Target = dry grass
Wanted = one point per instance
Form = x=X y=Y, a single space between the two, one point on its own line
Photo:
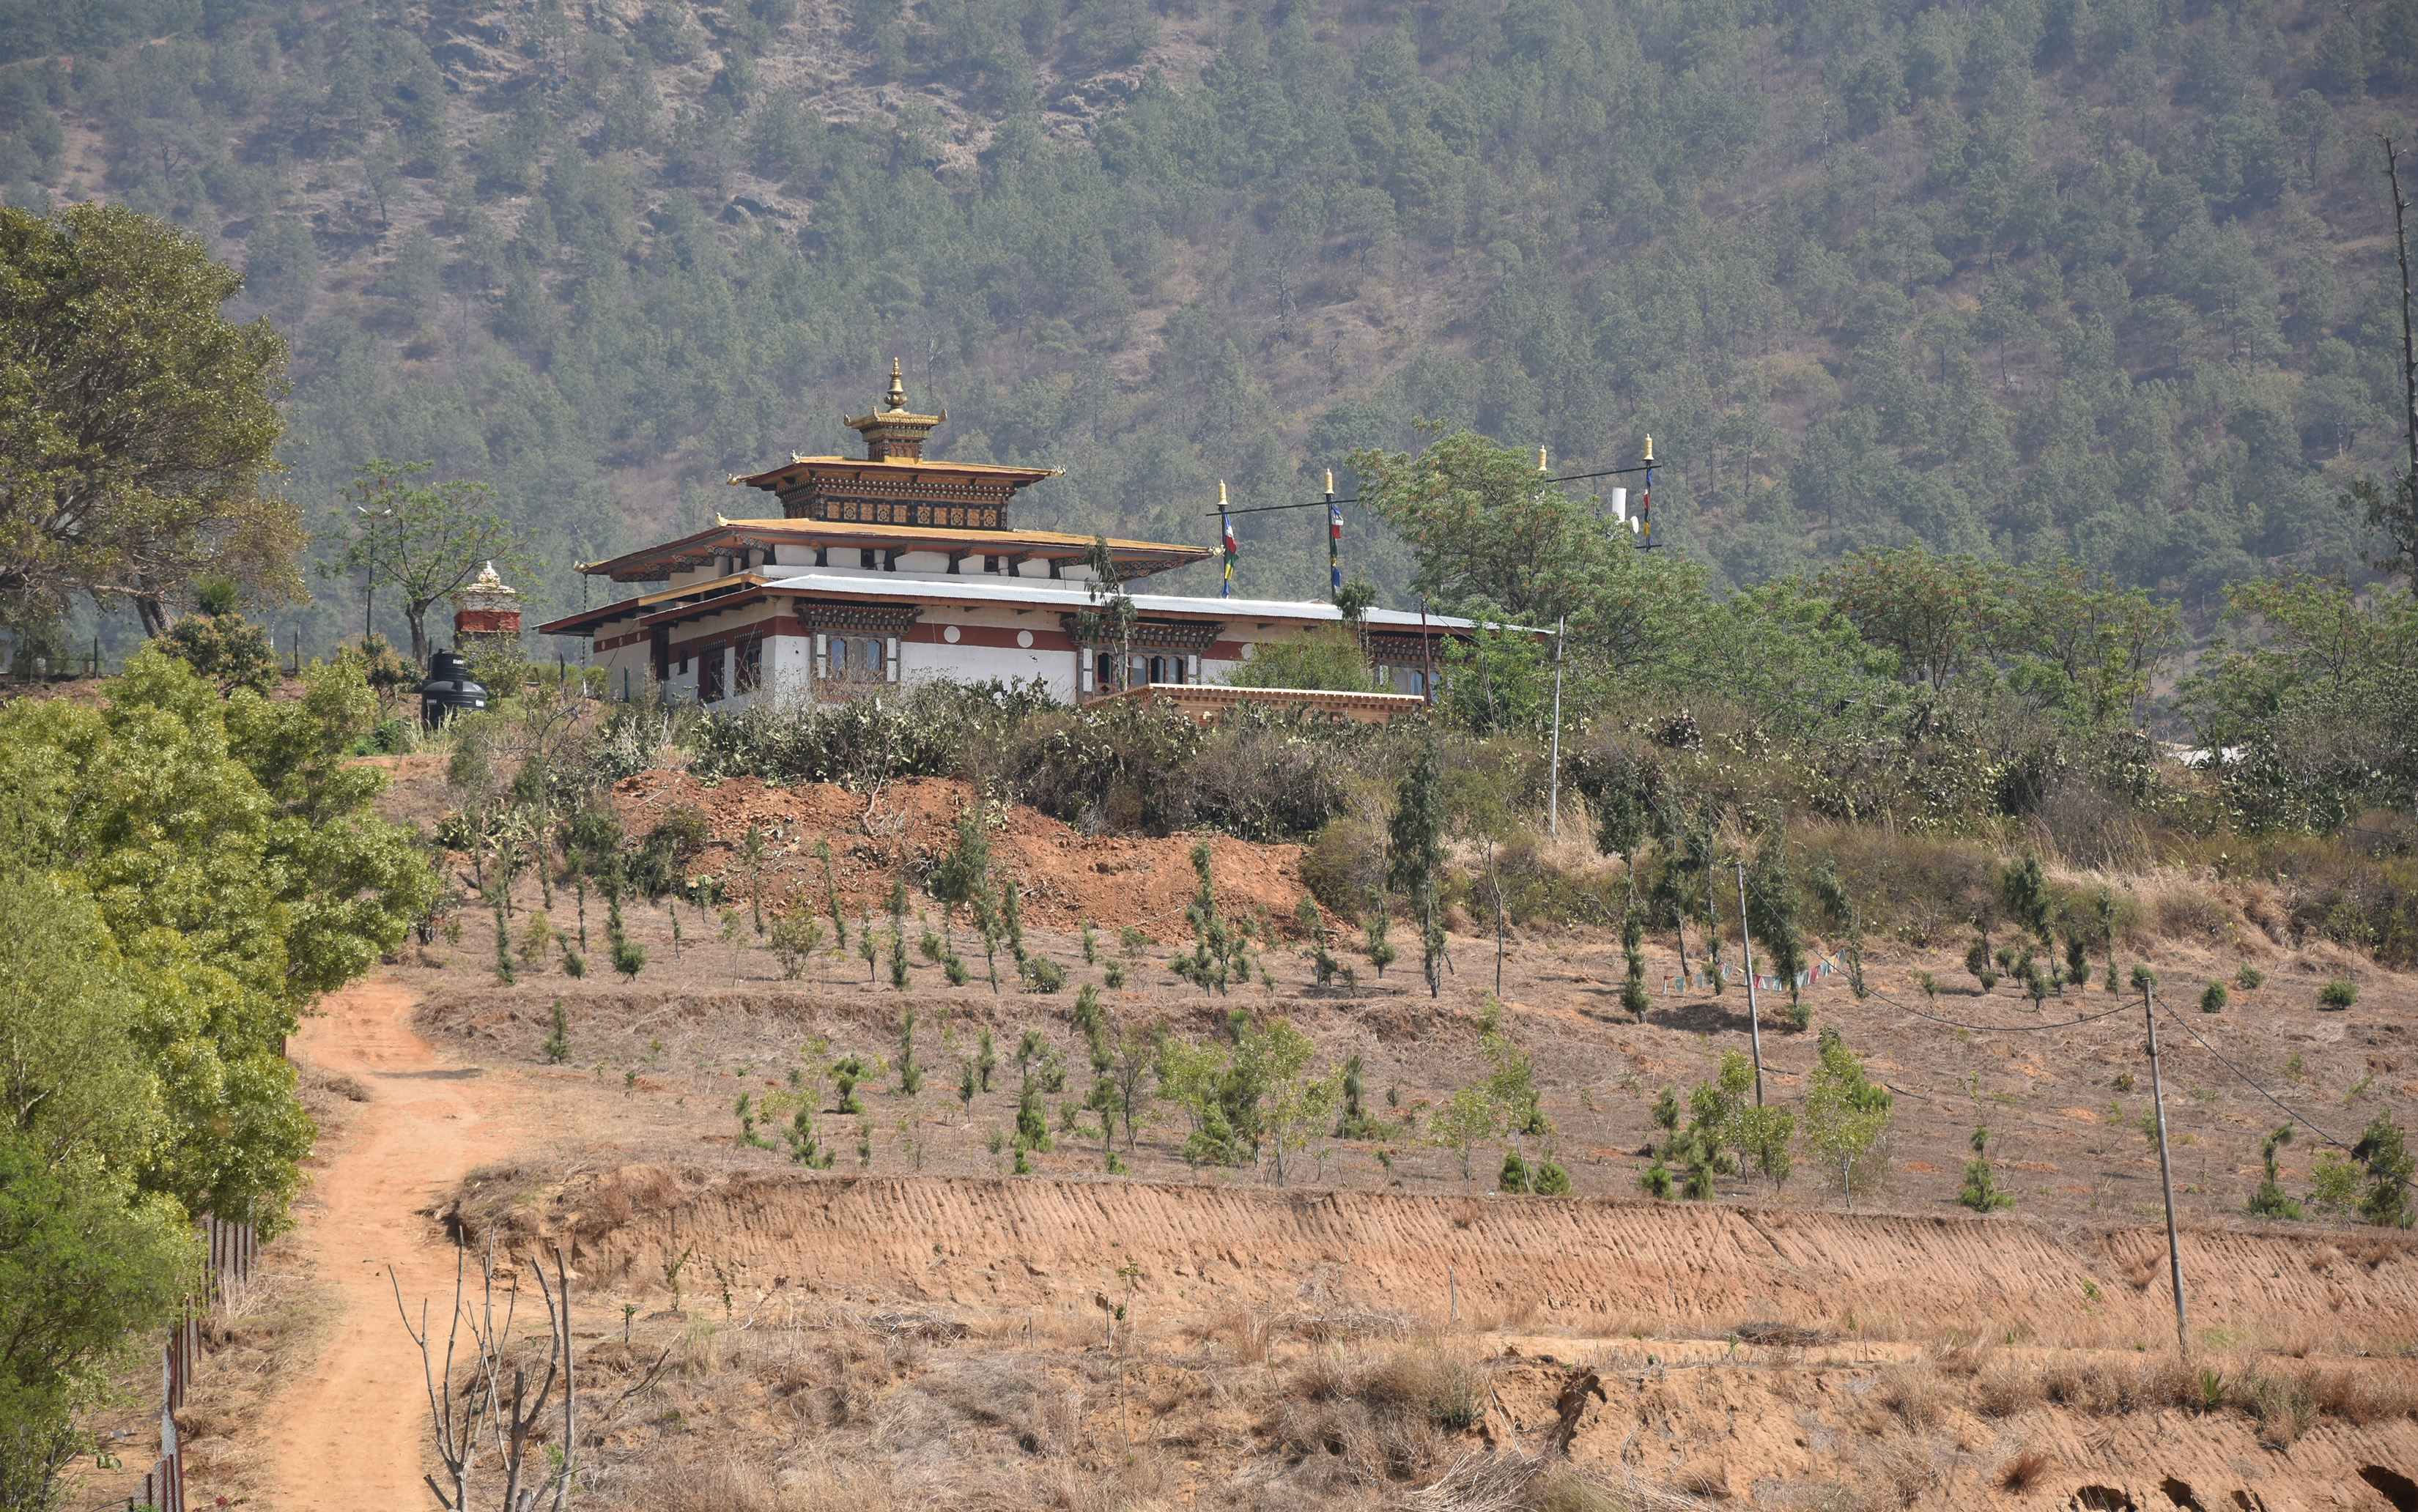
x=335 y=1083
x=1915 y=1393
x=2365 y=1396
x=2005 y=1388
x=2024 y=1472
x=1904 y=1470
x=824 y=1410
x=1246 y=1334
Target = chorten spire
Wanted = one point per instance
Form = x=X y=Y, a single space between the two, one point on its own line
x=894 y=433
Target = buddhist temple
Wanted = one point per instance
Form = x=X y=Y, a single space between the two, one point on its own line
x=882 y=568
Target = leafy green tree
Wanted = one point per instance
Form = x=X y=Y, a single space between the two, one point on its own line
x=1326 y=656
x=1113 y=614
x=1498 y=542
x=2100 y=644
x=87 y=1269
x=1467 y=1120
x=425 y=541
x=234 y=860
x=142 y=422
x=1847 y=1117
x=1414 y=852
x=1941 y=615
x=1193 y=1078
x=964 y=874
x=1299 y=1105
x=1488 y=528
x=2025 y=887
x=220 y=644
x=2389 y=1164
x=2321 y=705
x=1375 y=920
x=76 y=1081
x=1773 y=910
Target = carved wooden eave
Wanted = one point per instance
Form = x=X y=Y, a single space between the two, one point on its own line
x=1191 y=635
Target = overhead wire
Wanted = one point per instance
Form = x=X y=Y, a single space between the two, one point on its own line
x=2241 y=1076
x=2289 y=1111
x=1323 y=503
x=1993 y=1028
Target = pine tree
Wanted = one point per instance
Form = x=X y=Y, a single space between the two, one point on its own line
x=1415 y=851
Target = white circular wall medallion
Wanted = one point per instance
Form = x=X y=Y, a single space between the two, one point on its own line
x=1024 y=638
x=1249 y=650
x=950 y=634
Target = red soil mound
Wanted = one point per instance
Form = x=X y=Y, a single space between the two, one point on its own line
x=1065 y=876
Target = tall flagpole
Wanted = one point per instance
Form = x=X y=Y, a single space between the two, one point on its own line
x=1334 y=541
x=1646 y=500
x=1226 y=530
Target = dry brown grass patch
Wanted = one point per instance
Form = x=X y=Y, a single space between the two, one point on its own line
x=2024 y=1472
x=1913 y=1391
x=2361 y=1395
x=2004 y=1388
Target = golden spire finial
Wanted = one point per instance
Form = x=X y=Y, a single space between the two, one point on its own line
x=897 y=385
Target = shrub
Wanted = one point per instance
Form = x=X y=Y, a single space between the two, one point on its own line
x=2250 y=979
x=2270 y=1201
x=2283 y=1407
x=1457 y=1400
x=225 y=648
x=1981 y=1192
x=1541 y=1177
x=2338 y=993
x=2213 y=998
x=1045 y=974
x=925 y=729
x=796 y=935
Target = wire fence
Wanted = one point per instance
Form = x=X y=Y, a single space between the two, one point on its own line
x=232 y=1258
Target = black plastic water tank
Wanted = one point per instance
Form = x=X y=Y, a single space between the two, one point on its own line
x=450 y=689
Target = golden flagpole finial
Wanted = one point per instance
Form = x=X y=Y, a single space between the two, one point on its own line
x=1649 y=449
x=1221 y=493
x=1540 y=460
x=1330 y=483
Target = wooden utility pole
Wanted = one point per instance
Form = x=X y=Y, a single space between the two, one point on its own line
x=1754 y=1019
x=2409 y=350
x=1554 y=786
x=2165 y=1170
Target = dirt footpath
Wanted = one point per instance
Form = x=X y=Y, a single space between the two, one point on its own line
x=351 y=1434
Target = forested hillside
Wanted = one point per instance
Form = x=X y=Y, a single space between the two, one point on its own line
x=2017 y=277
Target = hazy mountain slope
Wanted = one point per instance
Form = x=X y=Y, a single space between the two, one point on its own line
x=2014 y=277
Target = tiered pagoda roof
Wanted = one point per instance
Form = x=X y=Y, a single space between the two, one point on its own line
x=890 y=502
